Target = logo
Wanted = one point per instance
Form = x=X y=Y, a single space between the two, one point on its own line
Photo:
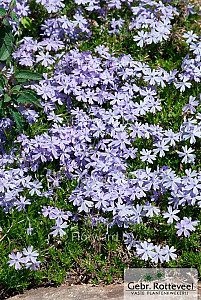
x=159 y=275
x=161 y=283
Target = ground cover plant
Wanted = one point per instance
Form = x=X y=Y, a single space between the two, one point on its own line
x=99 y=140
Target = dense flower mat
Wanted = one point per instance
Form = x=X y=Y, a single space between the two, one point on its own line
x=100 y=130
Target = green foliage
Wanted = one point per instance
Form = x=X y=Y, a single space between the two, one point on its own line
x=19 y=120
x=12 y=93
x=28 y=96
x=94 y=252
x=27 y=75
x=6 y=42
x=3 y=12
x=12 y=4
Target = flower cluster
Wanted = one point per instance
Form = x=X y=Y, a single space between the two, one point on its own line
x=15 y=182
x=21 y=9
x=154 y=20
x=101 y=108
x=59 y=216
x=157 y=254
x=185 y=226
x=52 y=6
x=95 y=149
x=27 y=257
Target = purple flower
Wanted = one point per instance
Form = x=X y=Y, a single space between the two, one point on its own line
x=190 y=36
x=45 y=58
x=187 y=155
x=140 y=38
x=16 y=260
x=29 y=229
x=171 y=215
x=145 y=250
x=21 y=203
x=168 y=253
x=30 y=255
x=58 y=228
x=183 y=84
x=158 y=256
x=47 y=211
x=190 y=106
x=129 y=240
x=183 y=228
x=161 y=148
x=35 y=188
x=147 y=156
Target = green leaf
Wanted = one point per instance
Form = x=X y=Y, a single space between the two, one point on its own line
x=15 y=89
x=2 y=83
x=13 y=16
x=12 y=4
x=5 y=22
x=7 y=98
x=26 y=22
x=3 y=12
x=24 y=74
x=4 y=53
x=29 y=96
x=21 y=80
x=8 y=41
x=1 y=110
x=19 y=120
